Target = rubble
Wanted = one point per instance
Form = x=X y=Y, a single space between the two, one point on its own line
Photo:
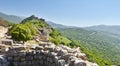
x=44 y=54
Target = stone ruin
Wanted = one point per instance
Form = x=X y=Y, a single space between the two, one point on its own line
x=44 y=54
x=6 y=41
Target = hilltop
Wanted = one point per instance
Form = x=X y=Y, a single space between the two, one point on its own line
x=45 y=31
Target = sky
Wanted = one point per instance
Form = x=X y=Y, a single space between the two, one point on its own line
x=78 y=13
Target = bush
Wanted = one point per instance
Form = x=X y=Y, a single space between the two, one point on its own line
x=21 y=32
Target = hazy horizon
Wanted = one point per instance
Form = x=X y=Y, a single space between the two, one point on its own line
x=80 y=13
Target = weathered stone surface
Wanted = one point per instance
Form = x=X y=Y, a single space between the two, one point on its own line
x=61 y=62
x=79 y=63
x=44 y=54
x=62 y=52
x=81 y=55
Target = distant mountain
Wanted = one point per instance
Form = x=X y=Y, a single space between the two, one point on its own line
x=54 y=25
x=113 y=31
x=113 y=28
x=3 y=22
x=11 y=18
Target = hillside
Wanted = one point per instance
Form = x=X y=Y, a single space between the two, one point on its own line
x=100 y=46
x=45 y=30
x=11 y=18
x=50 y=49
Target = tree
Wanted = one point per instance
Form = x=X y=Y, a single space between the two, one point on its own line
x=21 y=32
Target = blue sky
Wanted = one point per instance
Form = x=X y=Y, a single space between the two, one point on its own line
x=68 y=12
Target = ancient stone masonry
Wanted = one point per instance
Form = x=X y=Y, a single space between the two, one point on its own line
x=6 y=42
x=46 y=54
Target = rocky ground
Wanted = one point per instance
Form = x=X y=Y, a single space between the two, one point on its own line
x=42 y=54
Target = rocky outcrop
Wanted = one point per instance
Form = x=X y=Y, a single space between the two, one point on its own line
x=44 y=54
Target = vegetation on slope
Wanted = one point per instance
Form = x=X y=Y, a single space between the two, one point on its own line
x=22 y=32
x=57 y=38
x=28 y=28
x=98 y=47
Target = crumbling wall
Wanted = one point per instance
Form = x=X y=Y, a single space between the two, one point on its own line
x=46 y=54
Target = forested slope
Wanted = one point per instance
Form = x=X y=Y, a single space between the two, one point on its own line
x=99 y=47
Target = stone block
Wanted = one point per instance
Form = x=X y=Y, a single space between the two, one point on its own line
x=79 y=63
x=61 y=62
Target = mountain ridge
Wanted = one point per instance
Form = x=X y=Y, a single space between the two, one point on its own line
x=19 y=19
x=11 y=18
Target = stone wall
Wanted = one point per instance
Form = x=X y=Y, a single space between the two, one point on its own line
x=6 y=42
x=44 y=54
